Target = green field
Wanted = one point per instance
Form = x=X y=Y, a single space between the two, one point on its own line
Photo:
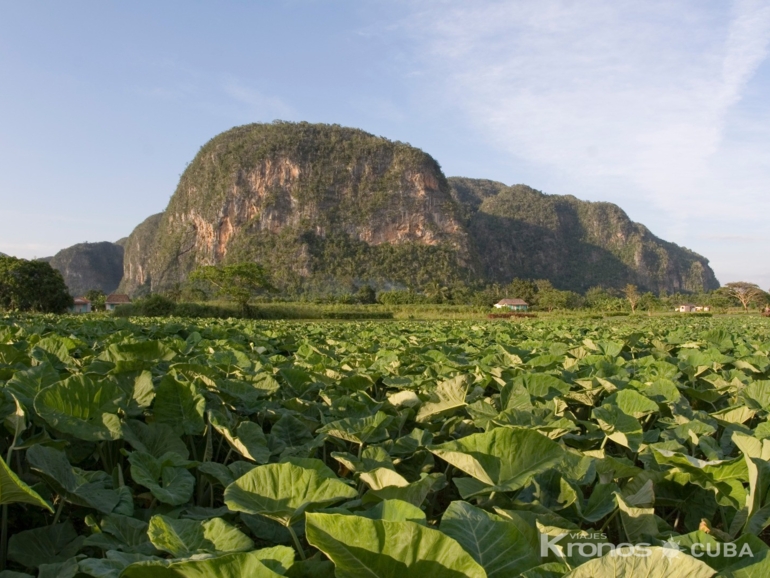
x=541 y=448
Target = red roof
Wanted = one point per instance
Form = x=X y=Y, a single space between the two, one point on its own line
x=81 y=301
x=117 y=298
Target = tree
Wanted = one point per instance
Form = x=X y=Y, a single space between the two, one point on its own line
x=550 y=299
x=632 y=296
x=522 y=289
x=745 y=293
x=32 y=286
x=649 y=302
x=97 y=299
x=366 y=295
x=238 y=282
x=437 y=292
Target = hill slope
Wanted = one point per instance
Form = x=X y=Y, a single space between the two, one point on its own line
x=520 y=232
x=319 y=204
x=325 y=206
x=90 y=266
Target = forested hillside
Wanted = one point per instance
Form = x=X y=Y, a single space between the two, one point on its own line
x=325 y=207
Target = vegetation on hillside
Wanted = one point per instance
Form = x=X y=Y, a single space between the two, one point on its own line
x=521 y=232
x=326 y=207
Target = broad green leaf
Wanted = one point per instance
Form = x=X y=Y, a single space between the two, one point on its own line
x=600 y=503
x=184 y=538
x=13 y=490
x=632 y=403
x=757 y=394
x=506 y=459
x=250 y=441
x=752 y=562
x=514 y=395
x=254 y=564
x=283 y=492
x=448 y=396
x=404 y=398
x=167 y=482
x=362 y=547
x=154 y=438
x=547 y=570
x=726 y=477
x=73 y=484
x=111 y=565
x=137 y=355
x=25 y=384
x=360 y=430
x=542 y=385
x=83 y=407
x=291 y=432
x=387 y=484
x=44 y=545
x=620 y=427
x=660 y=563
x=356 y=382
x=499 y=545
x=180 y=406
x=122 y=533
x=756 y=454
x=395 y=511
x=248 y=395
x=372 y=457
x=638 y=523
x=66 y=569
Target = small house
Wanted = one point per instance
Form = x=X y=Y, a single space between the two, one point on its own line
x=690 y=308
x=80 y=305
x=115 y=299
x=512 y=305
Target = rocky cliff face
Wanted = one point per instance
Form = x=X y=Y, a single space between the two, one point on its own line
x=325 y=206
x=295 y=196
x=137 y=251
x=88 y=266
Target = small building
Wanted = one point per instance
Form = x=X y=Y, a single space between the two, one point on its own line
x=512 y=305
x=80 y=305
x=690 y=308
x=115 y=299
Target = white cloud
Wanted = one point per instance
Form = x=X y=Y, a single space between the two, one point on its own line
x=257 y=104
x=623 y=100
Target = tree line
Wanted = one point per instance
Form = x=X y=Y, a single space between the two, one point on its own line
x=35 y=286
x=246 y=283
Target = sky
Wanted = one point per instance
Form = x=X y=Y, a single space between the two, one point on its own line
x=660 y=107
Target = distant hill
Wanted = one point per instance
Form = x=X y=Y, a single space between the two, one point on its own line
x=519 y=232
x=326 y=206
x=88 y=266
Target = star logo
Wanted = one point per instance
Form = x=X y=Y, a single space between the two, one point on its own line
x=671 y=549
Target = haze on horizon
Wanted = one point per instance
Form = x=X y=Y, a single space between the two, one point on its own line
x=662 y=108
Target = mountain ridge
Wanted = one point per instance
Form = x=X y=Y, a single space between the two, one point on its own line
x=326 y=207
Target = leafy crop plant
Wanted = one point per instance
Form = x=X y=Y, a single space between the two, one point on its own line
x=167 y=447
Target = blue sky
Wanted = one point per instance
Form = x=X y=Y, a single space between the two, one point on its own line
x=661 y=107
